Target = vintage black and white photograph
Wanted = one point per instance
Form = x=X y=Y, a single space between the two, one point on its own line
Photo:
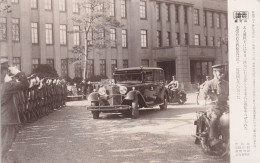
x=114 y=81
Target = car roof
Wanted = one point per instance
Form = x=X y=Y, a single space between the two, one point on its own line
x=138 y=68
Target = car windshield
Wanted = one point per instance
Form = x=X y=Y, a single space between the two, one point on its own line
x=129 y=78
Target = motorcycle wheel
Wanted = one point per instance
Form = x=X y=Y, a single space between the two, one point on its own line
x=204 y=134
x=182 y=98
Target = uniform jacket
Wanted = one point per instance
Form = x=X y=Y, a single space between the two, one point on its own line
x=9 y=113
x=220 y=88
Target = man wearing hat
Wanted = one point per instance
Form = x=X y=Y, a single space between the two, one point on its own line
x=220 y=89
x=9 y=113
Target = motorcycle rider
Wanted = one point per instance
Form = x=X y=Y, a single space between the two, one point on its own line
x=220 y=88
x=174 y=86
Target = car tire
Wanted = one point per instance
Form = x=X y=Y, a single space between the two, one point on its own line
x=135 y=111
x=95 y=114
x=165 y=103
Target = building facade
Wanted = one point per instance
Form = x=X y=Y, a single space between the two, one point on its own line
x=184 y=37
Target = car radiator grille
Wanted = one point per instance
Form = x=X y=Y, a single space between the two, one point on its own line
x=115 y=98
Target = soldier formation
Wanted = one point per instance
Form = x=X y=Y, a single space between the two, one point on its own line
x=42 y=97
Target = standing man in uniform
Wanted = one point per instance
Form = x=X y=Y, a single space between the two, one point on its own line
x=220 y=89
x=9 y=113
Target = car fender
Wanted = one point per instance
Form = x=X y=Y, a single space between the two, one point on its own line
x=94 y=96
x=161 y=94
x=131 y=96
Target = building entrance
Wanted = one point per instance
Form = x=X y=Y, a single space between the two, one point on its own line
x=169 y=69
x=199 y=70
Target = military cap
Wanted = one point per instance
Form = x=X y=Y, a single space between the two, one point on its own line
x=218 y=67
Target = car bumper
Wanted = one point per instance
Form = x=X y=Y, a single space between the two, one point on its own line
x=109 y=108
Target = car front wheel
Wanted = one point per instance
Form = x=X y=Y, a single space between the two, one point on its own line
x=135 y=111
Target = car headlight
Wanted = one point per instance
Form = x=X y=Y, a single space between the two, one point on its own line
x=123 y=90
x=102 y=91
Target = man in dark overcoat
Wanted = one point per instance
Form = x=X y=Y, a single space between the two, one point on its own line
x=12 y=81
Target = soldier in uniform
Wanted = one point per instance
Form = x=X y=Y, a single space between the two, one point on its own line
x=9 y=114
x=220 y=89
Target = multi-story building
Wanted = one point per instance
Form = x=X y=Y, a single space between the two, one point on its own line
x=184 y=37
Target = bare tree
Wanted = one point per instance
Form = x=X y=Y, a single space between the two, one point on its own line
x=4 y=7
x=95 y=22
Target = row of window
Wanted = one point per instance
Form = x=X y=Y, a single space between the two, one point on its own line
x=143 y=11
x=78 y=67
x=76 y=35
x=207 y=15
x=208 y=40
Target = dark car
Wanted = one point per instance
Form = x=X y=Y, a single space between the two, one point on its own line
x=134 y=88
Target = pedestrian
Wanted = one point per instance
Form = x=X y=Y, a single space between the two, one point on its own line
x=218 y=88
x=9 y=113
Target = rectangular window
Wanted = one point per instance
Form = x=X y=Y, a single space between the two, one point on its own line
x=113 y=65
x=205 y=18
x=176 y=13
x=177 y=38
x=48 y=4
x=145 y=62
x=17 y=62
x=50 y=62
x=62 y=5
x=158 y=12
x=102 y=67
x=167 y=12
x=123 y=8
x=144 y=43
x=78 y=70
x=34 y=33
x=211 y=19
x=186 y=38
x=218 y=20
x=3 y=28
x=48 y=32
x=143 y=9
x=159 y=38
x=124 y=38
x=35 y=63
x=219 y=42
x=206 y=41
x=91 y=67
x=185 y=14
x=225 y=21
x=113 y=37
x=168 y=39
x=112 y=8
x=196 y=17
x=34 y=4
x=64 y=67
x=125 y=63
x=75 y=6
x=63 y=34
x=76 y=37
x=211 y=41
x=15 y=1
x=197 y=39
x=15 y=29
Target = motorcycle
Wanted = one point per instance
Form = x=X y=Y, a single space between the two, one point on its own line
x=177 y=96
x=202 y=133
